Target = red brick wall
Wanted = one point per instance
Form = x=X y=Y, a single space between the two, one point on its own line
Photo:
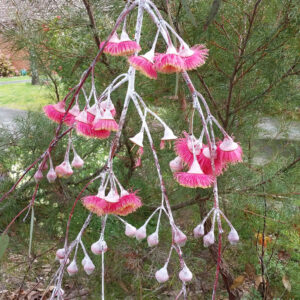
x=19 y=59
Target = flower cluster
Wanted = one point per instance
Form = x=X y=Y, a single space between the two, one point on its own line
x=197 y=157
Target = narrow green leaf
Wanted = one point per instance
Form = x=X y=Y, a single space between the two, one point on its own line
x=4 y=240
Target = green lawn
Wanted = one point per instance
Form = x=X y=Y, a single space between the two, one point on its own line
x=15 y=78
x=23 y=95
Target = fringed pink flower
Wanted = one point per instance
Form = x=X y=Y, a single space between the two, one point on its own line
x=71 y=115
x=193 y=57
x=169 y=62
x=127 y=46
x=230 y=151
x=144 y=64
x=95 y=204
x=128 y=203
x=83 y=127
x=112 y=46
x=55 y=112
x=64 y=169
x=194 y=177
x=105 y=122
x=205 y=162
x=184 y=148
x=123 y=47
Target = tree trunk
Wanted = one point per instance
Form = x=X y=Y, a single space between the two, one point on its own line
x=35 y=80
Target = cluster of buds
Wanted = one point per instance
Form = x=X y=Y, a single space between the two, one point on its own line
x=62 y=170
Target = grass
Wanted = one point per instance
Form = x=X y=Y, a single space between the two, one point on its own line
x=15 y=78
x=24 y=96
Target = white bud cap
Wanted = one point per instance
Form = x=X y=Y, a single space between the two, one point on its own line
x=138 y=139
x=209 y=239
x=51 y=175
x=162 y=275
x=168 y=135
x=60 y=253
x=179 y=237
x=153 y=239
x=112 y=196
x=141 y=233
x=88 y=267
x=199 y=231
x=72 y=268
x=233 y=237
x=99 y=247
x=185 y=274
x=176 y=164
x=130 y=230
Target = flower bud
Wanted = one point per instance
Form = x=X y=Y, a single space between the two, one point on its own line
x=130 y=230
x=77 y=161
x=141 y=233
x=62 y=261
x=89 y=267
x=233 y=237
x=199 y=231
x=179 y=237
x=60 y=253
x=185 y=274
x=38 y=176
x=72 y=268
x=84 y=260
x=176 y=164
x=99 y=247
x=162 y=275
x=51 y=175
x=209 y=239
x=153 y=239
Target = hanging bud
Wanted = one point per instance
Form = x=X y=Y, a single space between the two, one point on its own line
x=51 y=175
x=153 y=239
x=38 y=176
x=88 y=267
x=199 y=231
x=179 y=237
x=130 y=230
x=84 y=260
x=60 y=253
x=162 y=275
x=141 y=233
x=62 y=261
x=99 y=247
x=233 y=237
x=176 y=164
x=185 y=274
x=209 y=239
x=72 y=268
x=77 y=161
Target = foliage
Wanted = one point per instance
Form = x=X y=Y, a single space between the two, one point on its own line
x=251 y=72
x=6 y=67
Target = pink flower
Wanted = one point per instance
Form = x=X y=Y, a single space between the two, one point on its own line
x=95 y=204
x=71 y=115
x=55 y=112
x=107 y=104
x=83 y=127
x=193 y=57
x=230 y=151
x=169 y=62
x=105 y=122
x=144 y=64
x=127 y=204
x=194 y=177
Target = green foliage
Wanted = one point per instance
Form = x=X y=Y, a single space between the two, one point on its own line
x=6 y=67
x=241 y=87
x=4 y=241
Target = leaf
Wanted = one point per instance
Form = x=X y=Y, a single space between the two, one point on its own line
x=4 y=240
x=188 y=12
x=237 y=282
x=213 y=12
x=286 y=283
